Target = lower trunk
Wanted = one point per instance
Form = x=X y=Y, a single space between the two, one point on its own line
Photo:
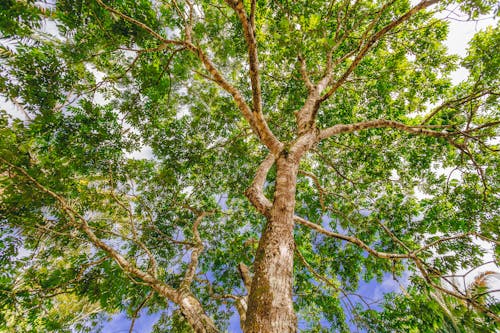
x=270 y=304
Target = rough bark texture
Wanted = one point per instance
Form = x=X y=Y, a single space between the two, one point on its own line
x=194 y=313
x=270 y=305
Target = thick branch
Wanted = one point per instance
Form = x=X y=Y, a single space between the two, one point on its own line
x=255 y=192
x=248 y=24
x=305 y=75
x=307 y=114
x=256 y=120
x=189 y=305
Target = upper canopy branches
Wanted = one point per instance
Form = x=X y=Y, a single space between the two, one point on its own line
x=337 y=44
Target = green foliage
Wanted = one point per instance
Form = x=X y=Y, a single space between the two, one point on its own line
x=422 y=310
x=101 y=88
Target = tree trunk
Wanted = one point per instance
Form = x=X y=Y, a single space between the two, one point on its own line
x=270 y=304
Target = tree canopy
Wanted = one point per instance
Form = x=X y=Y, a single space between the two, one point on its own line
x=205 y=158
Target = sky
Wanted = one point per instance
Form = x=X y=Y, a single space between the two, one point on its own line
x=460 y=33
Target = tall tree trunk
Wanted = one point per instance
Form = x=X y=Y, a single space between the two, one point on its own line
x=270 y=304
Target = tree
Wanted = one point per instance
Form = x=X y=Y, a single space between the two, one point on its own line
x=296 y=147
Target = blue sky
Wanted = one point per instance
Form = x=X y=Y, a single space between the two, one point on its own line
x=121 y=324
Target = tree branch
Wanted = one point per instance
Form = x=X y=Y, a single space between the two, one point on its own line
x=470 y=300
x=331 y=164
x=190 y=306
x=393 y=237
x=321 y=190
x=195 y=254
x=139 y=24
x=444 y=239
x=74 y=217
x=152 y=261
x=248 y=24
x=304 y=74
x=353 y=240
x=255 y=192
x=136 y=312
x=395 y=256
x=320 y=277
x=372 y=40
x=381 y=123
x=245 y=276
x=255 y=119
x=454 y=103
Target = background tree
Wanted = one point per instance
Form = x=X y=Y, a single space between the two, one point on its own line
x=296 y=147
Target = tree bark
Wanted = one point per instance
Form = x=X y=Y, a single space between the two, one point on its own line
x=192 y=310
x=195 y=314
x=270 y=304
